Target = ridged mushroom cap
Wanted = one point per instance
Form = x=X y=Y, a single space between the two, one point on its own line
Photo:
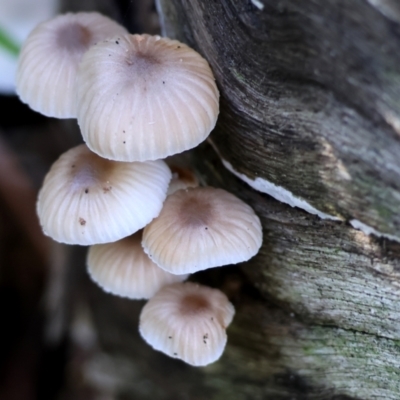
x=47 y=66
x=202 y=228
x=87 y=200
x=182 y=178
x=122 y=268
x=144 y=97
x=187 y=321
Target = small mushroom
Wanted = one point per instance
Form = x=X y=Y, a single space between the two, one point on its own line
x=182 y=178
x=49 y=60
x=143 y=97
x=202 y=228
x=187 y=321
x=86 y=199
x=123 y=269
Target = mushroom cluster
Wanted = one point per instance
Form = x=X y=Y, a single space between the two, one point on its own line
x=137 y=100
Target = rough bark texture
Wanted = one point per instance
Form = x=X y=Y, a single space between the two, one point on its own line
x=310 y=97
x=322 y=326
x=310 y=101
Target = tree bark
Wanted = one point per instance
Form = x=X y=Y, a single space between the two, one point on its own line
x=310 y=114
x=309 y=97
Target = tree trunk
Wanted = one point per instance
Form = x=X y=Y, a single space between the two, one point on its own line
x=310 y=121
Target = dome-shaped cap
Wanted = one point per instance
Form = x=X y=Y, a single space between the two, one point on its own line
x=49 y=60
x=145 y=97
x=122 y=268
x=86 y=199
x=187 y=321
x=202 y=228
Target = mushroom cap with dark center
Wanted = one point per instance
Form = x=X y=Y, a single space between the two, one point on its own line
x=122 y=268
x=196 y=211
x=74 y=38
x=187 y=321
x=144 y=97
x=202 y=228
x=87 y=200
x=47 y=67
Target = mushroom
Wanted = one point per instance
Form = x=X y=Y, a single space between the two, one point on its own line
x=143 y=97
x=122 y=268
x=182 y=178
x=49 y=60
x=202 y=228
x=187 y=321
x=86 y=199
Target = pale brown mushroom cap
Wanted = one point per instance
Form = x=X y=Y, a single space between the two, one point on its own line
x=122 y=268
x=182 y=178
x=47 y=66
x=202 y=228
x=87 y=200
x=187 y=321
x=144 y=97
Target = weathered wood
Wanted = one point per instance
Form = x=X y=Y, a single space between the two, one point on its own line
x=270 y=354
x=310 y=101
x=17 y=191
x=310 y=97
x=325 y=271
x=328 y=336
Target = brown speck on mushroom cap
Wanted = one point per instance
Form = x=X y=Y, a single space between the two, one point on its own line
x=122 y=268
x=160 y=119
x=74 y=207
x=49 y=60
x=202 y=228
x=187 y=321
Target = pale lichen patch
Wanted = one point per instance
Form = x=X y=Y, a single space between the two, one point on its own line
x=278 y=192
x=369 y=230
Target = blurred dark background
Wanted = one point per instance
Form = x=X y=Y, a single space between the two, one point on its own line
x=38 y=360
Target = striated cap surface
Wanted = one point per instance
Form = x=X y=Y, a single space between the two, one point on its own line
x=122 y=268
x=187 y=321
x=202 y=228
x=144 y=97
x=47 y=66
x=87 y=200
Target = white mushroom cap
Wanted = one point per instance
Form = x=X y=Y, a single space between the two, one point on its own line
x=122 y=268
x=182 y=178
x=187 y=321
x=86 y=199
x=46 y=76
x=144 y=97
x=202 y=228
